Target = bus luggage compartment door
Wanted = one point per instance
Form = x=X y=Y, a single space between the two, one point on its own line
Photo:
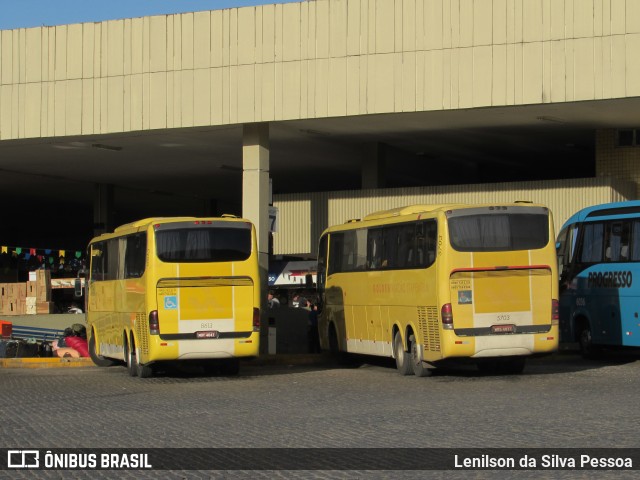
x=498 y=306
x=217 y=308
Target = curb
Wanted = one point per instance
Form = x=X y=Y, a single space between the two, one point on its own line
x=264 y=360
x=53 y=362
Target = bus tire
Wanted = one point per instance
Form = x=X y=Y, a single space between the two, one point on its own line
x=419 y=367
x=403 y=360
x=488 y=366
x=97 y=359
x=230 y=367
x=144 y=371
x=512 y=366
x=340 y=357
x=334 y=349
x=585 y=339
x=130 y=357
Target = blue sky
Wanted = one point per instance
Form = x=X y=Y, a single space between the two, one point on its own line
x=36 y=13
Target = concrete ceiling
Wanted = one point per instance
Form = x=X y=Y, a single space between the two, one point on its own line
x=182 y=167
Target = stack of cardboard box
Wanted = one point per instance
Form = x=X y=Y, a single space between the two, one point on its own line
x=30 y=308
x=4 y=298
x=28 y=298
x=43 y=292
x=13 y=298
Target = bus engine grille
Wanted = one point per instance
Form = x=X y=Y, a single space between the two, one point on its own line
x=428 y=324
x=142 y=329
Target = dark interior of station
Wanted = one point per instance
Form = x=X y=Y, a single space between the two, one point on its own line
x=47 y=210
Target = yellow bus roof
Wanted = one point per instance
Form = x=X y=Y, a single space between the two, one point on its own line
x=411 y=210
x=153 y=220
x=415 y=210
x=145 y=222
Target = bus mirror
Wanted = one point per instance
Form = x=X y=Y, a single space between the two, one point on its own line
x=77 y=286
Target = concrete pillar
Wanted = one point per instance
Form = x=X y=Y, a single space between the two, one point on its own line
x=103 y=209
x=255 y=202
x=373 y=165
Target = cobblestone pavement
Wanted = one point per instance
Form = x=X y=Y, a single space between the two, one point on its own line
x=560 y=401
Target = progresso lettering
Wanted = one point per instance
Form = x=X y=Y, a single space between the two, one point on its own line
x=609 y=280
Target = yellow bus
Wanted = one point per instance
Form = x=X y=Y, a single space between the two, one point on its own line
x=427 y=283
x=165 y=289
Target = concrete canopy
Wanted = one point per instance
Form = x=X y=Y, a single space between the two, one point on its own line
x=155 y=106
x=191 y=166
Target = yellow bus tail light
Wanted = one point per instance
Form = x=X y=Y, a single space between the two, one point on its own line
x=154 y=323
x=555 y=312
x=256 y=319
x=446 y=313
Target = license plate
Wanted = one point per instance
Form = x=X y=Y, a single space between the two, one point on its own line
x=503 y=329
x=208 y=334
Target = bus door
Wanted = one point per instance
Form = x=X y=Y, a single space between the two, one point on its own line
x=568 y=301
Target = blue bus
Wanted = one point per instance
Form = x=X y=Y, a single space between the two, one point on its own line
x=599 y=272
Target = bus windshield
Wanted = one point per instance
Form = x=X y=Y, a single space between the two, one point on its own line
x=499 y=232
x=195 y=243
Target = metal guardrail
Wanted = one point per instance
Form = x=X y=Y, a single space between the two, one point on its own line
x=37 y=333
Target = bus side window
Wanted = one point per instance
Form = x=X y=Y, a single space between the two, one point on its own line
x=336 y=248
x=322 y=263
x=561 y=250
x=426 y=243
x=635 y=241
x=98 y=254
x=592 y=242
x=374 y=249
x=135 y=256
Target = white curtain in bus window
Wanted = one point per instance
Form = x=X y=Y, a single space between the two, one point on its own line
x=169 y=245
x=592 y=243
x=198 y=245
x=480 y=231
x=612 y=252
x=374 y=248
x=497 y=232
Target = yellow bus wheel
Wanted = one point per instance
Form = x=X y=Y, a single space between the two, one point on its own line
x=419 y=367
x=97 y=359
x=403 y=362
x=130 y=356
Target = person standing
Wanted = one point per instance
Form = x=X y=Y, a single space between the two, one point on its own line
x=313 y=334
x=272 y=300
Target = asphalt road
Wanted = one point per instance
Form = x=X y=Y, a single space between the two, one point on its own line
x=559 y=402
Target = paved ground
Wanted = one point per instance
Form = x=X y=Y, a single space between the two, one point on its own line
x=558 y=402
